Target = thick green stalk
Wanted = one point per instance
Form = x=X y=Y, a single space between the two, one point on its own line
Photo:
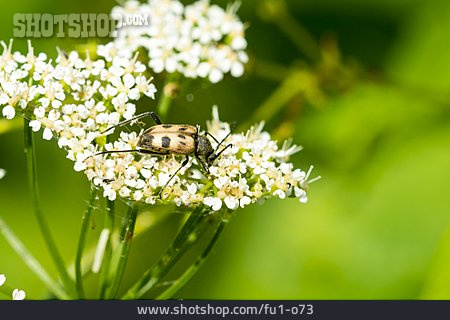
x=293 y=85
x=299 y=35
x=6 y=291
x=166 y=96
x=163 y=106
x=126 y=238
x=192 y=270
x=82 y=241
x=185 y=237
x=32 y=263
x=34 y=189
x=105 y=279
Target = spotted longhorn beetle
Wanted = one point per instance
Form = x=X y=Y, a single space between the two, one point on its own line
x=182 y=139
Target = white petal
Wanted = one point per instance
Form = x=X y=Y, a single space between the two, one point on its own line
x=203 y=69
x=44 y=102
x=232 y=203
x=151 y=91
x=9 y=112
x=18 y=294
x=138 y=195
x=47 y=135
x=79 y=166
x=35 y=125
x=56 y=104
x=215 y=76
x=245 y=201
x=192 y=188
x=128 y=80
x=157 y=65
x=301 y=195
x=111 y=194
x=217 y=204
x=237 y=70
x=280 y=194
x=146 y=173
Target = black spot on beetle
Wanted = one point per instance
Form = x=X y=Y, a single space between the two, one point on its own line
x=182 y=143
x=165 y=142
x=182 y=129
x=167 y=126
x=182 y=136
x=150 y=139
x=146 y=140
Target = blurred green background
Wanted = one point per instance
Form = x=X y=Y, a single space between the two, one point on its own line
x=373 y=114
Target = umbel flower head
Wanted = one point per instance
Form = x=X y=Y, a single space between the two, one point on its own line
x=75 y=100
x=253 y=169
x=199 y=40
x=72 y=98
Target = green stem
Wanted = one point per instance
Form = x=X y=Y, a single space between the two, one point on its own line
x=163 y=106
x=299 y=35
x=82 y=241
x=34 y=189
x=6 y=291
x=166 y=97
x=126 y=238
x=185 y=237
x=32 y=262
x=269 y=70
x=192 y=270
x=292 y=86
x=277 y=12
x=105 y=279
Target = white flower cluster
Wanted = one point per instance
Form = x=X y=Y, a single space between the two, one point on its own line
x=2 y=173
x=16 y=294
x=73 y=98
x=199 y=40
x=76 y=99
x=253 y=169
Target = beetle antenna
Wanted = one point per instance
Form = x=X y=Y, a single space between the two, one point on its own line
x=117 y=151
x=215 y=155
x=233 y=126
x=123 y=123
x=214 y=138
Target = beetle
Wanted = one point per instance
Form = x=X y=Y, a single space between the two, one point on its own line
x=180 y=139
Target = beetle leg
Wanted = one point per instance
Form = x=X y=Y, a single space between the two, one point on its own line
x=155 y=118
x=218 y=154
x=185 y=162
x=204 y=165
x=123 y=123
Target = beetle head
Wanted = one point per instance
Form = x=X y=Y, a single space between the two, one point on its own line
x=204 y=147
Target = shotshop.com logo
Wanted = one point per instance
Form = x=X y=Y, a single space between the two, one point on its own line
x=74 y=25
